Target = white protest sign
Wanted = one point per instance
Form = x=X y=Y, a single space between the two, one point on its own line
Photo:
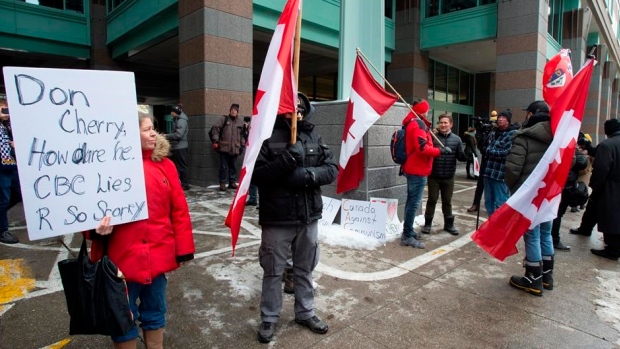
x=77 y=144
x=364 y=217
x=330 y=210
x=393 y=226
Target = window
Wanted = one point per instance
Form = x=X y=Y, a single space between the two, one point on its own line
x=112 y=4
x=554 y=27
x=441 y=7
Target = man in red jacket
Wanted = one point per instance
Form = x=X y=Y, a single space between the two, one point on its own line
x=419 y=163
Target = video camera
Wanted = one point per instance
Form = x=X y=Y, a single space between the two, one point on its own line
x=482 y=125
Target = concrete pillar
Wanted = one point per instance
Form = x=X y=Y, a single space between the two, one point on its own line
x=521 y=48
x=576 y=25
x=591 y=123
x=99 y=55
x=408 y=72
x=362 y=24
x=614 y=99
x=215 y=70
x=609 y=72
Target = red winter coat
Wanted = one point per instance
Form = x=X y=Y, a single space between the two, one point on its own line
x=145 y=249
x=419 y=146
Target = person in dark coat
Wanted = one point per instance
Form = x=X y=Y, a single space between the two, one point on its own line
x=580 y=162
x=179 y=144
x=228 y=137
x=289 y=179
x=605 y=184
x=441 y=179
x=528 y=147
x=471 y=149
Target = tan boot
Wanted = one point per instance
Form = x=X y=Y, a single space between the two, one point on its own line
x=222 y=186
x=154 y=339
x=131 y=344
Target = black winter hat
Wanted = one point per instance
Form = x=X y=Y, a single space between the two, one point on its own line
x=304 y=103
x=177 y=109
x=537 y=106
x=234 y=106
x=506 y=113
x=612 y=126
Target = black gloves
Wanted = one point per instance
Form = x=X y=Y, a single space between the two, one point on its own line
x=301 y=177
x=446 y=150
x=298 y=152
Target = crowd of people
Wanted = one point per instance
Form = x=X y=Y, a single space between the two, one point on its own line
x=291 y=175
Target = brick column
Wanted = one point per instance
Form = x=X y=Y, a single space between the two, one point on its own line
x=408 y=72
x=215 y=70
x=590 y=123
x=521 y=46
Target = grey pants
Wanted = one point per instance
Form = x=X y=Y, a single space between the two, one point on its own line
x=277 y=243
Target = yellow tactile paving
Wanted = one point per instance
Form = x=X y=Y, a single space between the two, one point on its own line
x=58 y=345
x=15 y=280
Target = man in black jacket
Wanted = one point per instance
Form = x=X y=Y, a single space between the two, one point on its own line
x=605 y=184
x=289 y=179
x=441 y=179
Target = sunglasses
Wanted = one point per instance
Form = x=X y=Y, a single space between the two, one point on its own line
x=301 y=110
x=5 y=110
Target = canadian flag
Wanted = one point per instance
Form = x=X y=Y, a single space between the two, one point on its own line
x=538 y=199
x=276 y=94
x=367 y=103
x=557 y=75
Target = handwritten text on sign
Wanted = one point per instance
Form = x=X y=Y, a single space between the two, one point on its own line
x=77 y=145
x=366 y=218
x=330 y=210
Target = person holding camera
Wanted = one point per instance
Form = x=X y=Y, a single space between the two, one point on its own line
x=483 y=130
x=588 y=219
x=289 y=179
x=498 y=147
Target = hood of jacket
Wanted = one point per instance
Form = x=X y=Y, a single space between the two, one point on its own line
x=540 y=131
x=161 y=150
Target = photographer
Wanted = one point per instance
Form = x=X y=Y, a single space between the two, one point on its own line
x=484 y=127
x=588 y=220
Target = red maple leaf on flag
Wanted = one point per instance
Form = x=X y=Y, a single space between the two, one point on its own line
x=557 y=170
x=349 y=120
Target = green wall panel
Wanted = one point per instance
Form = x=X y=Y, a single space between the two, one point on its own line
x=478 y=23
x=136 y=23
x=35 y=28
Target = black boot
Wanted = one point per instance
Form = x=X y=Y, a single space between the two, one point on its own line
x=428 y=224
x=287 y=277
x=448 y=225
x=532 y=281
x=547 y=268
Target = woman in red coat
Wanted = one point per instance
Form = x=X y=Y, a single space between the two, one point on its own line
x=145 y=250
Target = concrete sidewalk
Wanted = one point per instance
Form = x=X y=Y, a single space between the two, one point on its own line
x=449 y=295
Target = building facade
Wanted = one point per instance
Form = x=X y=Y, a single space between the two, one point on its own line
x=467 y=57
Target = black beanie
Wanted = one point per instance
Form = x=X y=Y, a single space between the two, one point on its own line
x=234 y=106
x=177 y=109
x=612 y=126
x=506 y=113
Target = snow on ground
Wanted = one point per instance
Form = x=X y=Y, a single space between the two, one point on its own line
x=608 y=298
x=335 y=235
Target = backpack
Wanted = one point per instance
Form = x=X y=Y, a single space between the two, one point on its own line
x=578 y=194
x=398 y=147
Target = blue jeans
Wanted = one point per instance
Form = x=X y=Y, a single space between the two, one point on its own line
x=10 y=195
x=538 y=242
x=152 y=309
x=253 y=193
x=228 y=168
x=495 y=194
x=415 y=188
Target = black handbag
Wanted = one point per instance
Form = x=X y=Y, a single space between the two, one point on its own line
x=578 y=194
x=96 y=294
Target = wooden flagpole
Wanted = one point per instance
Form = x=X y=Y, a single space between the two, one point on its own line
x=297 y=42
